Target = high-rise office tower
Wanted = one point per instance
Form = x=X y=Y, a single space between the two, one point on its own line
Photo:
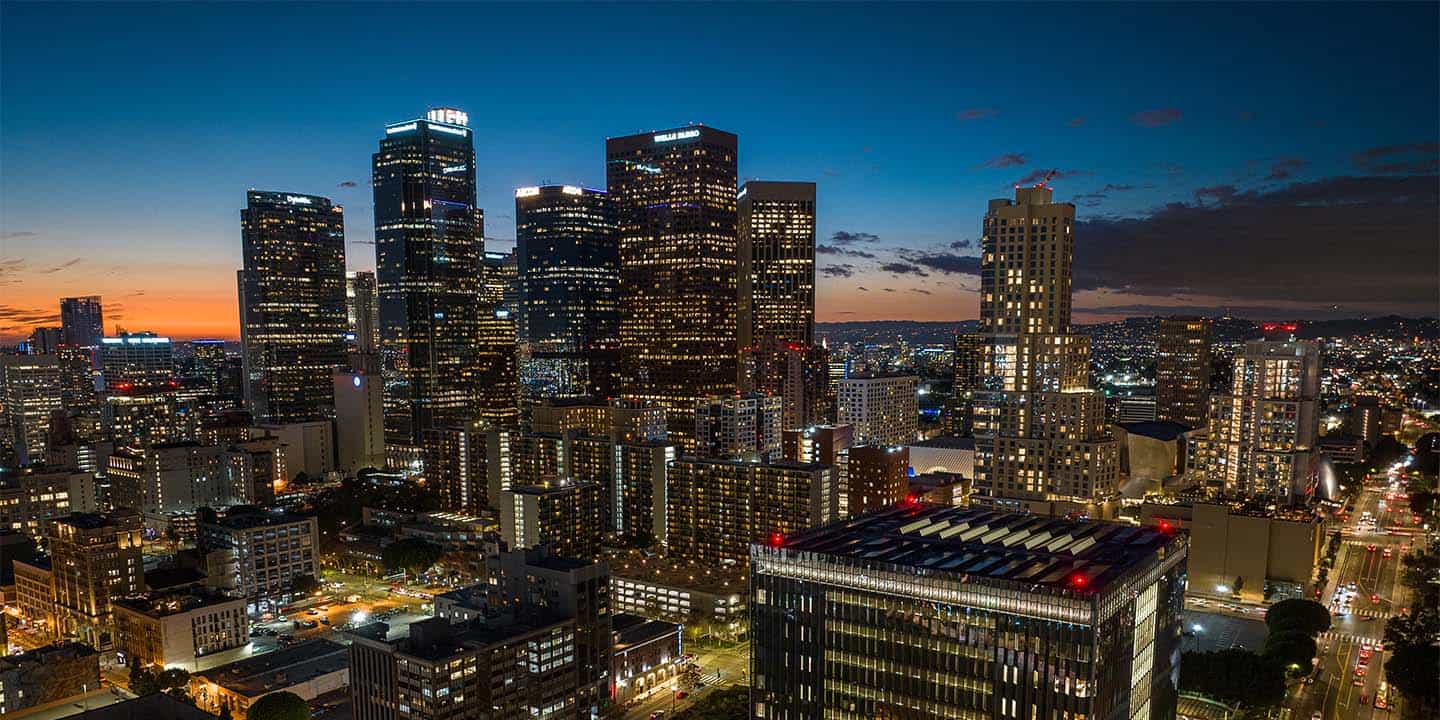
x=942 y=612
x=501 y=288
x=44 y=340
x=429 y=238
x=30 y=392
x=792 y=371
x=883 y=409
x=136 y=361
x=1182 y=370
x=82 y=321
x=292 y=304
x=1364 y=421
x=568 y=261
x=674 y=191
x=497 y=396
x=77 y=377
x=777 y=262
x=362 y=309
x=969 y=367
x=565 y=516
x=715 y=508
x=359 y=421
x=1039 y=429
x=1262 y=432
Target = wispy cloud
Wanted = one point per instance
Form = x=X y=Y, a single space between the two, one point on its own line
x=1155 y=118
x=842 y=237
x=1422 y=157
x=16 y=234
x=1004 y=161
x=976 y=113
x=1076 y=121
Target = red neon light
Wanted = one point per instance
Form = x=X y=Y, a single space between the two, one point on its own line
x=777 y=539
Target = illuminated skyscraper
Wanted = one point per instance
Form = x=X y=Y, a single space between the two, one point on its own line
x=292 y=304
x=568 y=254
x=1262 y=432
x=674 y=191
x=136 y=361
x=1039 y=429
x=1182 y=370
x=82 y=321
x=429 y=238
x=362 y=309
x=777 y=262
x=30 y=392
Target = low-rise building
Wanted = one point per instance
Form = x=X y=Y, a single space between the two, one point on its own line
x=647 y=655
x=174 y=627
x=47 y=675
x=35 y=597
x=708 y=597
x=1237 y=550
x=309 y=669
x=258 y=554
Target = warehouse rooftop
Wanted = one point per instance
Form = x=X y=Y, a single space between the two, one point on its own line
x=1078 y=555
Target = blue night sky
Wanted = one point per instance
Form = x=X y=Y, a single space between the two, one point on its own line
x=1247 y=158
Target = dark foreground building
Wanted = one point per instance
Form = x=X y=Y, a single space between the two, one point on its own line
x=923 y=611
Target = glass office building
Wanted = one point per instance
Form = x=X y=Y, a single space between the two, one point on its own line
x=927 y=611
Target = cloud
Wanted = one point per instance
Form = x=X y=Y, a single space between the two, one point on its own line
x=16 y=234
x=62 y=266
x=862 y=288
x=1390 y=159
x=16 y=317
x=1035 y=176
x=889 y=289
x=833 y=250
x=842 y=237
x=1368 y=242
x=1286 y=167
x=962 y=244
x=902 y=268
x=1093 y=198
x=837 y=271
x=976 y=113
x=1155 y=118
x=946 y=263
x=347 y=184
x=1004 y=161
x=921 y=291
x=1076 y=121
x=1245 y=115
x=1216 y=193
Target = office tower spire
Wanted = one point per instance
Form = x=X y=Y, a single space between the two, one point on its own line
x=1039 y=429
x=675 y=193
x=292 y=304
x=428 y=244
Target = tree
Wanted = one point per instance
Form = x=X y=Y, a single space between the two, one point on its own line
x=304 y=584
x=1414 y=670
x=1305 y=616
x=1419 y=570
x=1234 y=676
x=142 y=682
x=1291 y=648
x=412 y=555
x=1417 y=628
x=279 y=706
x=729 y=703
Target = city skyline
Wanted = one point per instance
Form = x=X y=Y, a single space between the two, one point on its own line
x=1302 y=197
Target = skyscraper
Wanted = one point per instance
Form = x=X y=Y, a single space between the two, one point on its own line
x=30 y=392
x=1182 y=370
x=1262 y=432
x=777 y=262
x=568 y=254
x=362 y=309
x=969 y=366
x=292 y=304
x=941 y=612
x=429 y=238
x=1039 y=429
x=136 y=361
x=675 y=194
x=82 y=321
x=883 y=409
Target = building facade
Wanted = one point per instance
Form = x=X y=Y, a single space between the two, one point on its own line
x=94 y=559
x=1182 y=371
x=82 y=321
x=1039 y=430
x=674 y=193
x=716 y=508
x=938 y=612
x=30 y=387
x=777 y=262
x=292 y=304
x=258 y=555
x=567 y=249
x=883 y=410
x=169 y=628
x=428 y=244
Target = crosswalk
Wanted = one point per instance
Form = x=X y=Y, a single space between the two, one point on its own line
x=1348 y=637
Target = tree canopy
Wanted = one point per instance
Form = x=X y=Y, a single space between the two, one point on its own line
x=1306 y=616
x=1234 y=676
x=412 y=555
x=279 y=706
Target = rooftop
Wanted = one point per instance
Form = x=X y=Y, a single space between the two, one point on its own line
x=1076 y=555
x=150 y=707
x=1159 y=430
x=282 y=668
x=436 y=638
x=945 y=442
x=247 y=520
x=173 y=602
x=633 y=630
x=659 y=570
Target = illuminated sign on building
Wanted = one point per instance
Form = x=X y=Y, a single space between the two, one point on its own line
x=407 y=127
x=297 y=200
x=527 y=192
x=451 y=130
x=571 y=190
x=448 y=115
x=677 y=135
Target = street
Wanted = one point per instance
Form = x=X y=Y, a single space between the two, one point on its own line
x=1341 y=687
x=733 y=664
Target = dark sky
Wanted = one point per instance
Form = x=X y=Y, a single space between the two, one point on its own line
x=1272 y=159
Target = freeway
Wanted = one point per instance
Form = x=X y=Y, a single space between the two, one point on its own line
x=1364 y=590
